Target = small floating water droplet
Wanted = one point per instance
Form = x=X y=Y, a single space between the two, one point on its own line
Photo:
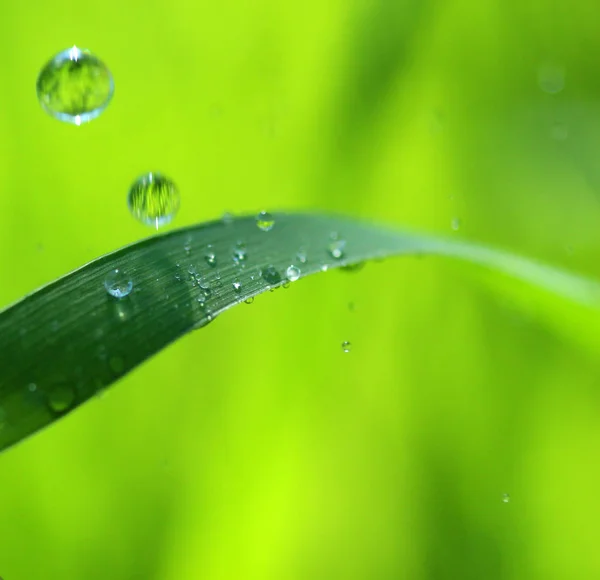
x=237 y=286
x=153 y=199
x=560 y=131
x=118 y=284
x=336 y=249
x=75 y=86
x=292 y=273
x=265 y=221
x=270 y=275
x=455 y=224
x=505 y=498
x=60 y=397
x=551 y=77
x=346 y=346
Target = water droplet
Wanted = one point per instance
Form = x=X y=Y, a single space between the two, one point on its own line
x=505 y=498
x=31 y=387
x=292 y=273
x=210 y=256
x=118 y=284
x=239 y=253
x=551 y=77
x=455 y=224
x=286 y=285
x=153 y=199
x=353 y=267
x=60 y=397
x=75 y=86
x=301 y=256
x=237 y=286
x=270 y=275
x=324 y=267
x=336 y=249
x=265 y=221
x=249 y=300
x=227 y=218
x=187 y=248
x=346 y=346
x=205 y=287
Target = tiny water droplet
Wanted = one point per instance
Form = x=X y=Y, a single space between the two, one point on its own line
x=286 y=285
x=153 y=199
x=227 y=218
x=31 y=387
x=187 y=248
x=75 y=86
x=210 y=256
x=237 y=286
x=270 y=275
x=265 y=221
x=301 y=256
x=505 y=498
x=249 y=300
x=118 y=284
x=239 y=253
x=336 y=249
x=60 y=397
x=346 y=346
x=455 y=224
x=205 y=287
x=292 y=273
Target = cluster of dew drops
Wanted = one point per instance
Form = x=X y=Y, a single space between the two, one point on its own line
x=75 y=87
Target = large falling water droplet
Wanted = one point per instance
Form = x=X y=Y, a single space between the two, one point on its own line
x=153 y=199
x=75 y=86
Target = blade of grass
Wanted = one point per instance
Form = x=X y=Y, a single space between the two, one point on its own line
x=63 y=343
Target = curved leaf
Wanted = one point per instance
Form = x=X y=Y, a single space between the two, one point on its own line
x=63 y=343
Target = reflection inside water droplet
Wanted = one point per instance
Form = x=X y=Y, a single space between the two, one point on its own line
x=75 y=86
x=153 y=199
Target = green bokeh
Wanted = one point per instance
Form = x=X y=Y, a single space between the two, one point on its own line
x=255 y=447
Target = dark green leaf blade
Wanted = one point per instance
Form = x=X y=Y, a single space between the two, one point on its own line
x=65 y=342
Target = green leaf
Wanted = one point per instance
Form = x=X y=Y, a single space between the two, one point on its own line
x=67 y=341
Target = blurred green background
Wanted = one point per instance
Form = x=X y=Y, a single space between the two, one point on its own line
x=256 y=448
